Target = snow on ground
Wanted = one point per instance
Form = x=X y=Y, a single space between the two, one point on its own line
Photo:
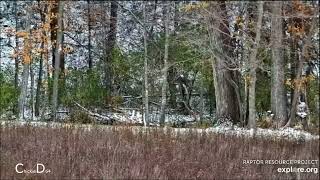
x=137 y=117
x=287 y=133
x=282 y=133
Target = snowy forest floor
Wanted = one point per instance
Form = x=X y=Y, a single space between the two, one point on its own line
x=290 y=134
x=95 y=151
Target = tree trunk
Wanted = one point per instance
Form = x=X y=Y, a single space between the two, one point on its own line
x=23 y=93
x=111 y=40
x=201 y=93
x=40 y=72
x=89 y=37
x=39 y=85
x=32 y=91
x=224 y=79
x=278 y=93
x=165 y=67
x=172 y=71
x=253 y=66
x=26 y=68
x=57 y=61
x=146 y=90
x=53 y=30
x=172 y=87
x=306 y=44
x=16 y=59
x=297 y=89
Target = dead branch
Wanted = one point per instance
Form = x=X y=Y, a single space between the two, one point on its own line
x=95 y=115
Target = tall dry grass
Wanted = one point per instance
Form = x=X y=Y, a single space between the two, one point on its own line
x=73 y=153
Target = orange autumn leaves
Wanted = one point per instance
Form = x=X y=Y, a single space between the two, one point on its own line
x=301 y=13
x=26 y=57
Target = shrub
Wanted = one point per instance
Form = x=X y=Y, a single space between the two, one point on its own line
x=80 y=117
x=8 y=95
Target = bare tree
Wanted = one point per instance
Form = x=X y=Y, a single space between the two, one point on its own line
x=278 y=93
x=54 y=29
x=26 y=67
x=89 y=35
x=253 y=66
x=146 y=93
x=225 y=81
x=57 y=60
x=110 y=43
x=165 y=66
x=40 y=72
x=16 y=59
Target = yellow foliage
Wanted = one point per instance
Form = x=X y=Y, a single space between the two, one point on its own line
x=204 y=4
x=22 y=34
x=191 y=7
x=68 y=49
x=46 y=26
x=26 y=58
x=247 y=79
x=311 y=78
x=289 y=83
x=188 y=7
x=300 y=83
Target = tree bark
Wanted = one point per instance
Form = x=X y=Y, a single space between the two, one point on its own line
x=202 y=106
x=40 y=72
x=224 y=78
x=16 y=59
x=32 y=92
x=54 y=28
x=146 y=89
x=57 y=60
x=253 y=66
x=26 y=68
x=165 y=67
x=297 y=89
x=111 y=40
x=278 y=93
x=89 y=36
x=172 y=87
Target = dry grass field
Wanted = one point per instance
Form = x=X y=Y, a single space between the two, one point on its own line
x=74 y=153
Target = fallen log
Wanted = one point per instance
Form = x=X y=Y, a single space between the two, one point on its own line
x=97 y=116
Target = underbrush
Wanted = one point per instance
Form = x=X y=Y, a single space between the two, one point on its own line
x=76 y=153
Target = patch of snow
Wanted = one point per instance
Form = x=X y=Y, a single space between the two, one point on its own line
x=282 y=133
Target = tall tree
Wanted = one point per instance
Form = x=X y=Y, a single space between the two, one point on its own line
x=16 y=59
x=43 y=13
x=110 y=44
x=299 y=82
x=165 y=66
x=225 y=81
x=54 y=27
x=172 y=71
x=146 y=89
x=26 y=65
x=253 y=66
x=58 y=51
x=278 y=93
x=89 y=35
